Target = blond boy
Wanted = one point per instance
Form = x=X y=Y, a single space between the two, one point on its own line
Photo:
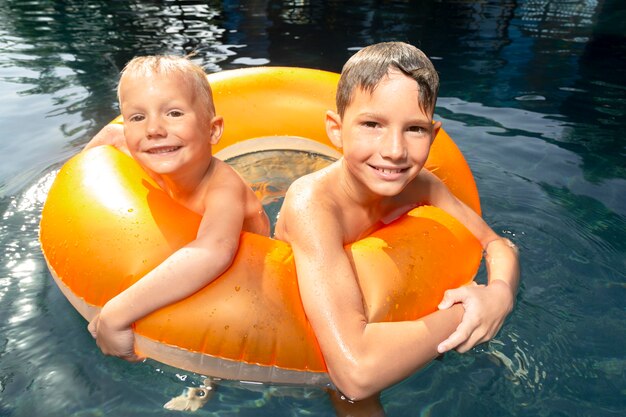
x=384 y=124
x=169 y=127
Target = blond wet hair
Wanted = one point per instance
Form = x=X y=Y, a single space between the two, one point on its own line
x=167 y=65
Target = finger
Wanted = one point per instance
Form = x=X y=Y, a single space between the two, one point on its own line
x=459 y=336
x=133 y=357
x=470 y=343
x=447 y=301
x=93 y=328
x=478 y=336
x=451 y=297
x=467 y=344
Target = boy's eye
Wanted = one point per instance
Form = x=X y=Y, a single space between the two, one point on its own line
x=370 y=124
x=136 y=118
x=175 y=113
x=417 y=129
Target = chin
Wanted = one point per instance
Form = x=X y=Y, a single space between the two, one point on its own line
x=160 y=169
x=388 y=190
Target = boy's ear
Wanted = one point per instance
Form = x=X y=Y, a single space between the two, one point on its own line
x=217 y=127
x=436 y=127
x=333 y=128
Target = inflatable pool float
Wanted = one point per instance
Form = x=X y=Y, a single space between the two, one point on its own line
x=106 y=223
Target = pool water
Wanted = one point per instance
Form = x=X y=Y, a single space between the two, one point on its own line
x=533 y=92
x=270 y=173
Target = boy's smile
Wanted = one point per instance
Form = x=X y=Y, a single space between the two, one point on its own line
x=168 y=129
x=163 y=149
x=385 y=135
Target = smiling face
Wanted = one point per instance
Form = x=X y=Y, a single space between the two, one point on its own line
x=385 y=135
x=168 y=129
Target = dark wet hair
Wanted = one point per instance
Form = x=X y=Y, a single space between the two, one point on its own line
x=367 y=67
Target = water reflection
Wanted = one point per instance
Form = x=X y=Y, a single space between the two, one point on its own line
x=532 y=90
x=507 y=50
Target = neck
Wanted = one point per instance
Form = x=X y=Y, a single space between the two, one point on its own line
x=356 y=192
x=182 y=186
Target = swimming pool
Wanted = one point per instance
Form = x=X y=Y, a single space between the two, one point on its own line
x=534 y=93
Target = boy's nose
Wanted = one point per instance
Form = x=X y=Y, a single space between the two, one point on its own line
x=393 y=146
x=155 y=129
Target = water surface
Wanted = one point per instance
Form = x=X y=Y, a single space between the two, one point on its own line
x=534 y=93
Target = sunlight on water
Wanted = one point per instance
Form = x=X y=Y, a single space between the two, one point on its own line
x=522 y=368
x=533 y=93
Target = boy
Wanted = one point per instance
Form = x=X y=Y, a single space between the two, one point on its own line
x=385 y=104
x=169 y=127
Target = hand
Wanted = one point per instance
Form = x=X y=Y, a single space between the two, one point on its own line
x=486 y=307
x=93 y=326
x=114 y=342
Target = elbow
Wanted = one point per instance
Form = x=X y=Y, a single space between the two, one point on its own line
x=357 y=381
x=228 y=251
x=216 y=255
x=230 y=247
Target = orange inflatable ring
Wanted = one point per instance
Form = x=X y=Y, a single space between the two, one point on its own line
x=105 y=224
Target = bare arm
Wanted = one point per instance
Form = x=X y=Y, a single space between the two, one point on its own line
x=180 y=275
x=486 y=306
x=362 y=358
x=111 y=134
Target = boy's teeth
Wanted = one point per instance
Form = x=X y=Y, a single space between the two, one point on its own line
x=389 y=171
x=164 y=149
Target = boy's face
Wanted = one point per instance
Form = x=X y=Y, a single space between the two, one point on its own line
x=385 y=135
x=167 y=128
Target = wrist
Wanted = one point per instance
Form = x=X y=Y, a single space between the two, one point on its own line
x=500 y=242
x=113 y=318
x=506 y=291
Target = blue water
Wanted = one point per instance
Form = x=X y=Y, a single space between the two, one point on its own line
x=534 y=93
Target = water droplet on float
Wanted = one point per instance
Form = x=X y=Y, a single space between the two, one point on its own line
x=237 y=287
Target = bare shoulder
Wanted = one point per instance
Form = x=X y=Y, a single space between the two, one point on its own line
x=311 y=193
x=226 y=184
x=424 y=188
x=224 y=172
x=309 y=211
x=233 y=190
x=426 y=179
x=436 y=193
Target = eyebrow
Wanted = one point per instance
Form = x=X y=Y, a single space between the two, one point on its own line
x=416 y=121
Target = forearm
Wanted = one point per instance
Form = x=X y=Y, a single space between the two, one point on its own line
x=501 y=259
x=500 y=253
x=385 y=353
x=179 y=276
x=363 y=358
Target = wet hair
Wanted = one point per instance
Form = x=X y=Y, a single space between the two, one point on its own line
x=367 y=67
x=167 y=65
